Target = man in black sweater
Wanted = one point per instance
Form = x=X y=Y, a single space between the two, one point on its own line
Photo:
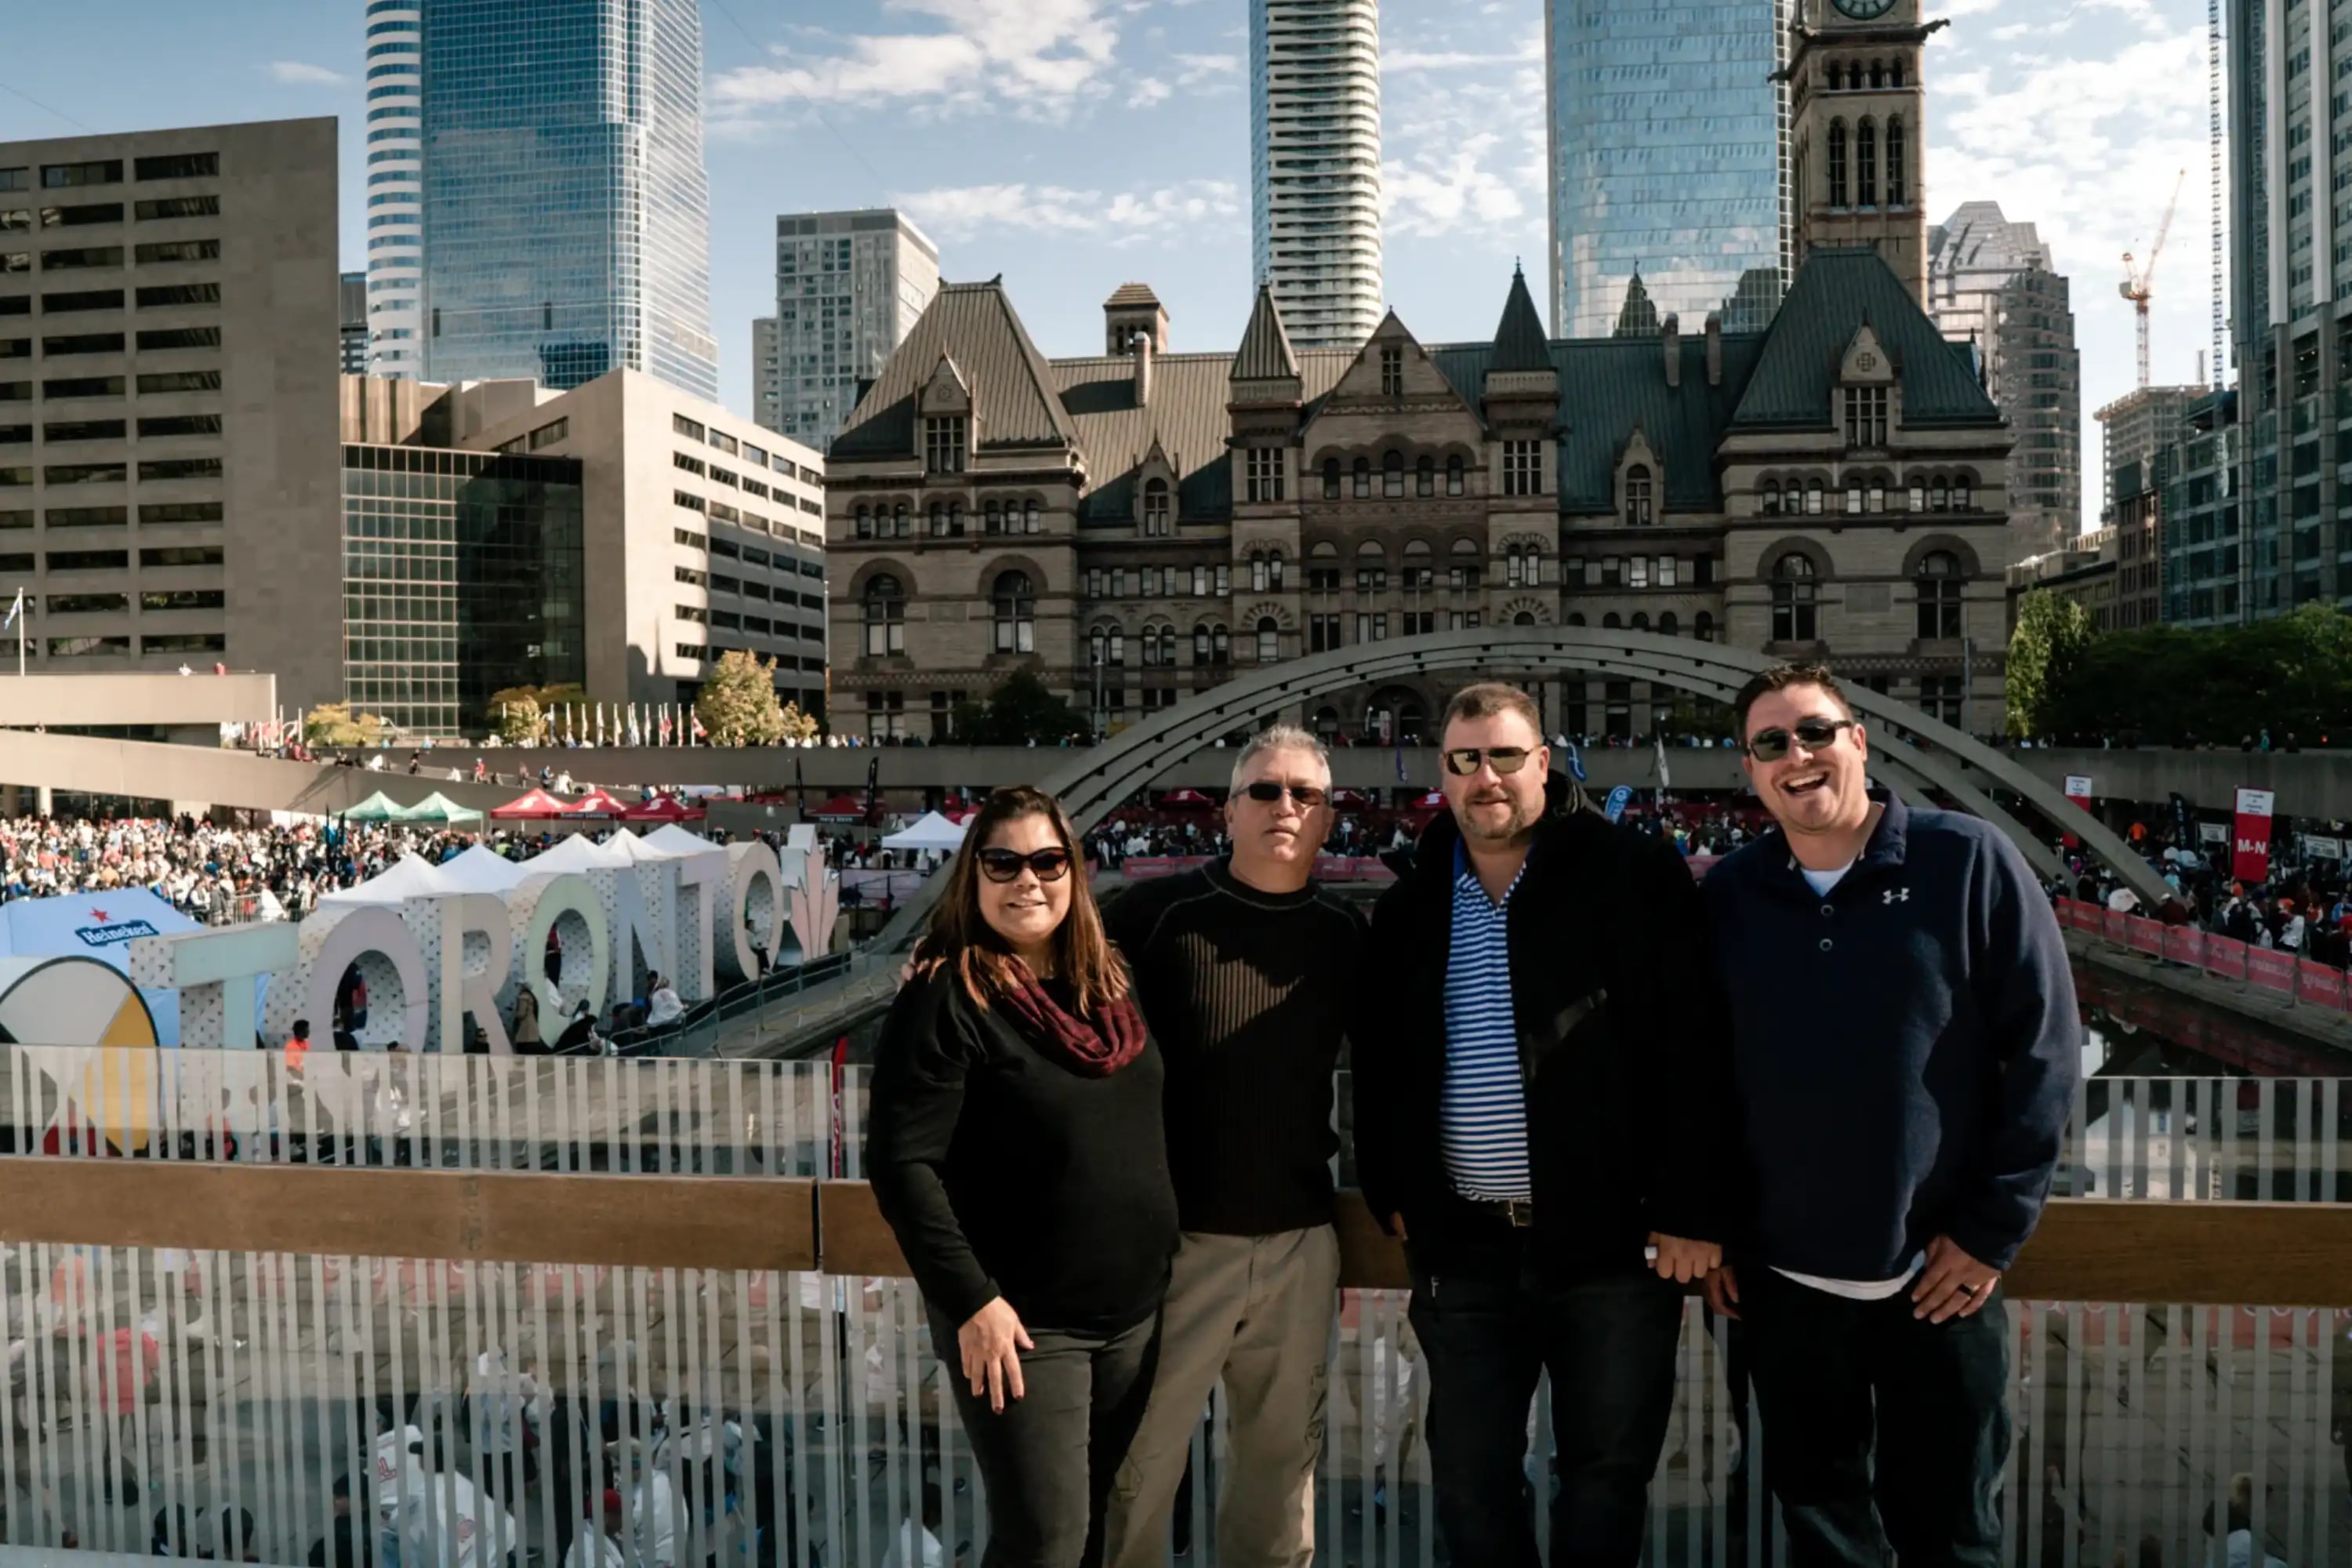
x=1245 y=969
x=1905 y=1047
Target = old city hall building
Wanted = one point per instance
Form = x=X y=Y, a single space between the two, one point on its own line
x=1133 y=526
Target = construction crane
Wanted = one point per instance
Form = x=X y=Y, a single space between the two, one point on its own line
x=2138 y=285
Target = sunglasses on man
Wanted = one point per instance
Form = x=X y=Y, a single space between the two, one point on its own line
x=1814 y=735
x=1265 y=791
x=1000 y=865
x=1463 y=761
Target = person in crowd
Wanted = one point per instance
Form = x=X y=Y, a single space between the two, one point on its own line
x=1906 y=1046
x=1016 y=1149
x=662 y=1004
x=1246 y=971
x=524 y=1033
x=1545 y=1012
x=581 y=1033
x=345 y=1544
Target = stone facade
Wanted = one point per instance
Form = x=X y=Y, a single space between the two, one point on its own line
x=1133 y=527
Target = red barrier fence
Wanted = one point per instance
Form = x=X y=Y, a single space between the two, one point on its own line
x=2263 y=969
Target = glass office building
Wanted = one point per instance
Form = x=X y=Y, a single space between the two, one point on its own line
x=1667 y=160
x=463 y=573
x=567 y=213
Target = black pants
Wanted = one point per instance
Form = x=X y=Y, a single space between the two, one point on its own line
x=1830 y=1375
x=1487 y=1331
x=1048 y=1461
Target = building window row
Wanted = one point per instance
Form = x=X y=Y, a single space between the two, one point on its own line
x=1865 y=493
x=1864 y=189
x=1669 y=625
x=1938 y=582
x=1157 y=582
x=1614 y=571
x=1357 y=481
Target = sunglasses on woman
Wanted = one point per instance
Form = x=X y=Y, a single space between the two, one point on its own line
x=1814 y=735
x=1006 y=865
x=1463 y=761
x=1265 y=791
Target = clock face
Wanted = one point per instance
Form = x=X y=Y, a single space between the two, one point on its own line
x=1864 y=10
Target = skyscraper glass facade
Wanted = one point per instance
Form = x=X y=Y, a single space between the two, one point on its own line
x=1667 y=149
x=464 y=574
x=566 y=208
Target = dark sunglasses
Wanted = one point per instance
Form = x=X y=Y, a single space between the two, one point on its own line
x=1265 y=791
x=1814 y=735
x=1463 y=761
x=1006 y=865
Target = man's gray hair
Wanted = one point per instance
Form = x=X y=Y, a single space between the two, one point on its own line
x=1280 y=737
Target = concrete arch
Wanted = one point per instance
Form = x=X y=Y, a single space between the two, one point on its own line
x=1951 y=545
x=1096 y=780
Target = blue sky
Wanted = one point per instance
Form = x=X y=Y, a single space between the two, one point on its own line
x=1075 y=144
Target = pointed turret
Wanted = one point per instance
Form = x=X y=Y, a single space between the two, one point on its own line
x=1519 y=339
x=1639 y=319
x=1265 y=371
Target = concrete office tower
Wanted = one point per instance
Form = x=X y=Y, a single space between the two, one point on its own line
x=353 y=346
x=2132 y=430
x=567 y=214
x=1991 y=283
x=167 y=400
x=395 y=190
x=1666 y=161
x=1315 y=151
x=848 y=287
x=765 y=412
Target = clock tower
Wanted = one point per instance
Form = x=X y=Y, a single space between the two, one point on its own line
x=1857 y=131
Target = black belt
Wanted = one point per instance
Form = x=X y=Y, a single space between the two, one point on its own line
x=1519 y=1214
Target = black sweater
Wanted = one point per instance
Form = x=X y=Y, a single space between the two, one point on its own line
x=1248 y=992
x=1005 y=1174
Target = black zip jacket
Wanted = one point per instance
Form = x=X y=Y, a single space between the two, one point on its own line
x=1623 y=1044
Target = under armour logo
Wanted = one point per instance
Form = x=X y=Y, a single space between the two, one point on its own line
x=1895 y=896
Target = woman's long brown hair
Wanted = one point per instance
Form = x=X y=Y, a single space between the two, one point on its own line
x=959 y=935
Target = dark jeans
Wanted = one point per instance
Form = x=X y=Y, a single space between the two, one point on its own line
x=1829 y=1374
x=1049 y=1461
x=1486 y=1332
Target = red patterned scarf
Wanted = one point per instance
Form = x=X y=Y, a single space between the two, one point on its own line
x=1091 y=1047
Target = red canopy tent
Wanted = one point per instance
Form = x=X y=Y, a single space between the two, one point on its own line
x=663 y=808
x=596 y=803
x=1349 y=800
x=1428 y=806
x=1186 y=800
x=536 y=804
x=840 y=808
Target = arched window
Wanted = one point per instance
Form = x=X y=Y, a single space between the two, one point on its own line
x=939 y=520
x=1577 y=619
x=1795 y=595
x=1097 y=648
x=902 y=522
x=1524 y=619
x=1363 y=488
x=1612 y=622
x=1702 y=627
x=886 y=617
x=1837 y=77
x=1155 y=506
x=865 y=523
x=1257 y=570
x=991 y=518
x=1420 y=565
x=1200 y=643
x=1897 y=189
x=1150 y=642
x=1167 y=646
x=1641 y=621
x=1330 y=479
x=1877 y=73
x=1273 y=570
x=1894 y=74
x=1424 y=476
x=1269 y=641
x=1015 y=603
x=1219 y=647
x=1637 y=497
x=1669 y=625
x=1327 y=722
x=1939 y=495
x=1837 y=164
x=1814 y=504
x=1372 y=567
x=1767 y=497
x=1392 y=475
x=1453 y=476
x=1865 y=163
x=1940 y=587
x=1963 y=494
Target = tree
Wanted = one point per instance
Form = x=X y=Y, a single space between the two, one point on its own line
x=334 y=724
x=738 y=705
x=2043 y=653
x=1022 y=710
x=798 y=726
x=519 y=719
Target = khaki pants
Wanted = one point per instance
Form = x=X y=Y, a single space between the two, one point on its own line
x=1257 y=1311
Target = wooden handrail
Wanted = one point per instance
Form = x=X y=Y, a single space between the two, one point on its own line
x=2228 y=1254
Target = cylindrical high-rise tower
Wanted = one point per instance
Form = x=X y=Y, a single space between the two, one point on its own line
x=1315 y=141
x=395 y=191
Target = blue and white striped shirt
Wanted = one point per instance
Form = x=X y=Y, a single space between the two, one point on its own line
x=1481 y=1116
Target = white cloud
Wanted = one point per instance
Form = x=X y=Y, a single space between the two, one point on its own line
x=1441 y=192
x=1148 y=90
x=1119 y=218
x=1208 y=70
x=1464 y=139
x=295 y=73
x=1038 y=58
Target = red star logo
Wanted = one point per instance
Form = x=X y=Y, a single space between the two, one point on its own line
x=97 y=914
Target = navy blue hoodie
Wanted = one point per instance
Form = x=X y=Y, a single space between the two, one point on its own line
x=1905 y=1047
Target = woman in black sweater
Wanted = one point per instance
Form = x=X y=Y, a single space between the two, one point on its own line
x=1016 y=1148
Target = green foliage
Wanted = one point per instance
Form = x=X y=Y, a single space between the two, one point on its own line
x=2043 y=653
x=798 y=726
x=519 y=716
x=2291 y=675
x=334 y=724
x=738 y=705
x=1022 y=711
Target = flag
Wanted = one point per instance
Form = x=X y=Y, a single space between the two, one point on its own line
x=664 y=727
x=15 y=610
x=699 y=733
x=1575 y=761
x=600 y=723
x=800 y=785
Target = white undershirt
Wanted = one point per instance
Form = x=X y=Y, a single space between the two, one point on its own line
x=1851 y=1289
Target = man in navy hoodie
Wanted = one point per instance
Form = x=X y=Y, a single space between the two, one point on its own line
x=1906 y=1046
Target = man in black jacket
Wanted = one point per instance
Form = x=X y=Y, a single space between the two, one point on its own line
x=1539 y=1081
